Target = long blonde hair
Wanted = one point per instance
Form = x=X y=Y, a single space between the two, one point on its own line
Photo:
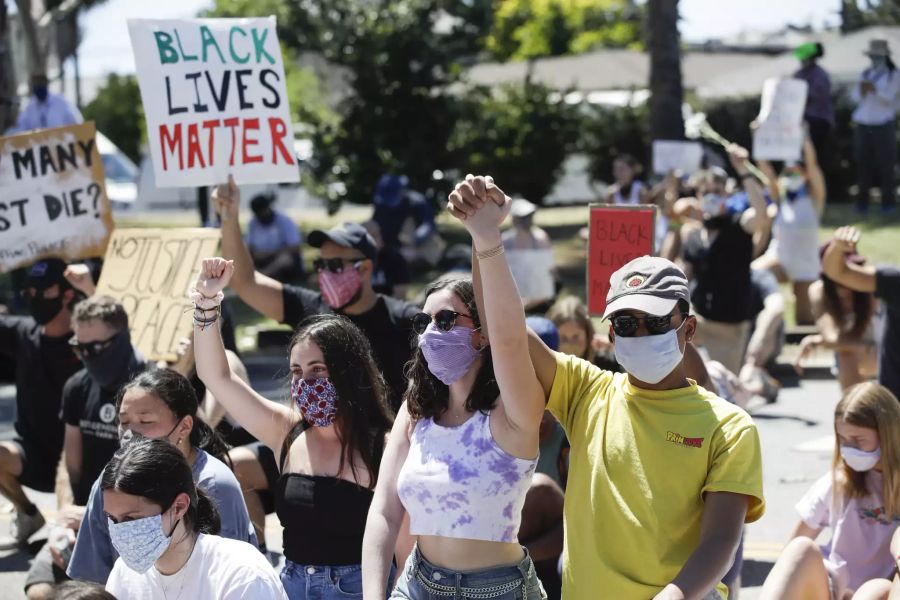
x=573 y=309
x=871 y=406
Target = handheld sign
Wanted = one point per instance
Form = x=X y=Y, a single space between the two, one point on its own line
x=618 y=234
x=149 y=271
x=672 y=155
x=215 y=100
x=780 y=132
x=54 y=196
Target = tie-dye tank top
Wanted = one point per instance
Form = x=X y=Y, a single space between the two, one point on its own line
x=458 y=483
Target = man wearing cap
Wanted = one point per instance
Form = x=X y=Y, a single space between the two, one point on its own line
x=875 y=139
x=530 y=257
x=39 y=347
x=274 y=241
x=662 y=473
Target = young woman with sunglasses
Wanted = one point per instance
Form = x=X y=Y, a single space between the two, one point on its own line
x=328 y=454
x=165 y=530
x=464 y=446
x=161 y=404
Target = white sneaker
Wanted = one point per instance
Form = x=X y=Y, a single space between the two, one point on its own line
x=23 y=526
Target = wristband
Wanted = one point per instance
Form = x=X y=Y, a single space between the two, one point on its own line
x=490 y=252
x=202 y=302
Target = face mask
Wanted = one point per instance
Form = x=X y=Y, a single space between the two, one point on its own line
x=859 y=460
x=40 y=92
x=141 y=542
x=712 y=204
x=878 y=62
x=44 y=310
x=651 y=357
x=317 y=400
x=111 y=366
x=449 y=354
x=266 y=218
x=340 y=289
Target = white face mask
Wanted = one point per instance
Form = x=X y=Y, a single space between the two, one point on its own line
x=651 y=357
x=859 y=460
x=792 y=183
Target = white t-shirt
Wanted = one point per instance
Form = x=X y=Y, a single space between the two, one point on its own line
x=218 y=569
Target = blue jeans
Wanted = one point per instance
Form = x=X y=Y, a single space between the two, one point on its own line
x=312 y=582
x=422 y=580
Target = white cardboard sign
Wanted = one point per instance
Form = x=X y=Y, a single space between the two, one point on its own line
x=780 y=132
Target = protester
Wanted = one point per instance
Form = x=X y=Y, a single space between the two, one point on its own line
x=406 y=220
x=165 y=528
x=884 y=283
x=629 y=191
x=391 y=276
x=859 y=501
x=464 y=447
x=874 y=118
x=345 y=269
x=44 y=109
x=38 y=345
x=530 y=256
x=793 y=254
x=103 y=344
x=80 y=590
x=819 y=110
x=329 y=454
x=718 y=248
x=767 y=337
x=273 y=240
x=576 y=330
x=161 y=403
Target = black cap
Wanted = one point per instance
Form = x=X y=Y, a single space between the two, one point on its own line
x=46 y=273
x=349 y=235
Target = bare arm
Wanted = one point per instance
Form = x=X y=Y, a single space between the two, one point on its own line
x=804 y=530
x=720 y=533
x=754 y=217
x=211 y=410
x=73 y=453
x=262 y=293
x=268 y=421
x=817 y=188
x=860 y=278
x=386 y=513
x=769 y=171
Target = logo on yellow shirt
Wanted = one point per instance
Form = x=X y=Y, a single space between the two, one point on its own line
x=677 y=438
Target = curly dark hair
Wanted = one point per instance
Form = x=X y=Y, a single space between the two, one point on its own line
x=426 y=396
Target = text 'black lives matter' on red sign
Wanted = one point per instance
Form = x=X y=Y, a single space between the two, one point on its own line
x=215 y=100
x=618 y=234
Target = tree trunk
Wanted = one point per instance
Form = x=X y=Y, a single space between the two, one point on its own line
x=37 y=56
x=7 y=80
x=666 y=92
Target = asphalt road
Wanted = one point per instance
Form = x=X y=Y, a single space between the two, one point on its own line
x=796 y=441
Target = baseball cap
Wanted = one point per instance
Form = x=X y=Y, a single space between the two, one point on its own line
x=545 y=329
x=349 y=235
x=389 y=190
x=522 y=208
x=46 y=273
x=650 y=284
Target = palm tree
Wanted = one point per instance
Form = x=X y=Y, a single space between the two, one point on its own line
x=666 y=92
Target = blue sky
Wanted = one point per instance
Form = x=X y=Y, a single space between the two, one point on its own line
x=106 y=47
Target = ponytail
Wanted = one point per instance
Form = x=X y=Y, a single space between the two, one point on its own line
x=204 y=517
x=208 y=439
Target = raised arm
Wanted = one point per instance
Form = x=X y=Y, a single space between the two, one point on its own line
x=817 y=188
x=262 y=293
x=860 y=278
x=754 y=217
x=520 y=393
x=268 y=421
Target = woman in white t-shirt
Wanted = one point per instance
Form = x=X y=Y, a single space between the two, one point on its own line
x=859 y=500
x=164 y=527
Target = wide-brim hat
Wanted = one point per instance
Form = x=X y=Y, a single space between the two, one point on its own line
x=878 y=48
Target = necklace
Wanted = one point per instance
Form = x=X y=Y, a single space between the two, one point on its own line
x=183 y=576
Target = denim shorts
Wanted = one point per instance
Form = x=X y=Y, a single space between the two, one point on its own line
x=422 y=580
x=316 y=582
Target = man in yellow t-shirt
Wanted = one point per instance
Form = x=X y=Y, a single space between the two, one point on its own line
x=663 y=474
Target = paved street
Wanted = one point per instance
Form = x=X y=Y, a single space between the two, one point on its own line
x=796 y=441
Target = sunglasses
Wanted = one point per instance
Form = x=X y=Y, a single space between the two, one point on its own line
x=444 y=319
x=334 y=265
x=90 y=349
x=627 y=325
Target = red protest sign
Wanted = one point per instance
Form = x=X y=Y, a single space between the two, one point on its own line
x=618 y=234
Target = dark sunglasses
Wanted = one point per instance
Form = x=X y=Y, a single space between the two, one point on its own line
x=444 y=319
x=334 y=265
x=90 y=349
x=627 y=325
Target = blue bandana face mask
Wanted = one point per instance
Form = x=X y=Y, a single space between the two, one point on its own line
x=141 y=542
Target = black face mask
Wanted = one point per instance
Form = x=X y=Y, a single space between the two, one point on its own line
x=44 y=310
x=110 y=367
x=266 y=218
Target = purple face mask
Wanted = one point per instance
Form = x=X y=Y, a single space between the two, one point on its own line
x=316 y=399
x=449 y=354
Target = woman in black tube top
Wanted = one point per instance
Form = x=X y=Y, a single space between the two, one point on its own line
x=329 y=451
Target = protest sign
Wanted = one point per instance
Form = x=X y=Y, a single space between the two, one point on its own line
x=780 y=132
x=149 y=272
x=618 y=234
x=673 y=155
x=215 y=100
x=54 y=196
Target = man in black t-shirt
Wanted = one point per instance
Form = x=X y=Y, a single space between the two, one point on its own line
x=718 y=249
x=39 y=347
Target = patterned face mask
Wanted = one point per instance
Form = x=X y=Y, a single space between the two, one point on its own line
x=317 y=400
x=141 y=542
x=340 y=289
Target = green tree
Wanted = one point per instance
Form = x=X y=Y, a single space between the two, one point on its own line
x=526 y=29
x=119 y=114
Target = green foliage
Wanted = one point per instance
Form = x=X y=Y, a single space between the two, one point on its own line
x=119 y=114
x=525 y=29
x=608 y=131
x=516 y=134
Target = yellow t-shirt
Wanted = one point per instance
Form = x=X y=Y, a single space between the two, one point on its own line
x=639 y=465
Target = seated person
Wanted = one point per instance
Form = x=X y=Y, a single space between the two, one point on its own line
x=407 y=221
x=274 y=241
x=530 y=255
x=391 y=275
x=767 y=335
